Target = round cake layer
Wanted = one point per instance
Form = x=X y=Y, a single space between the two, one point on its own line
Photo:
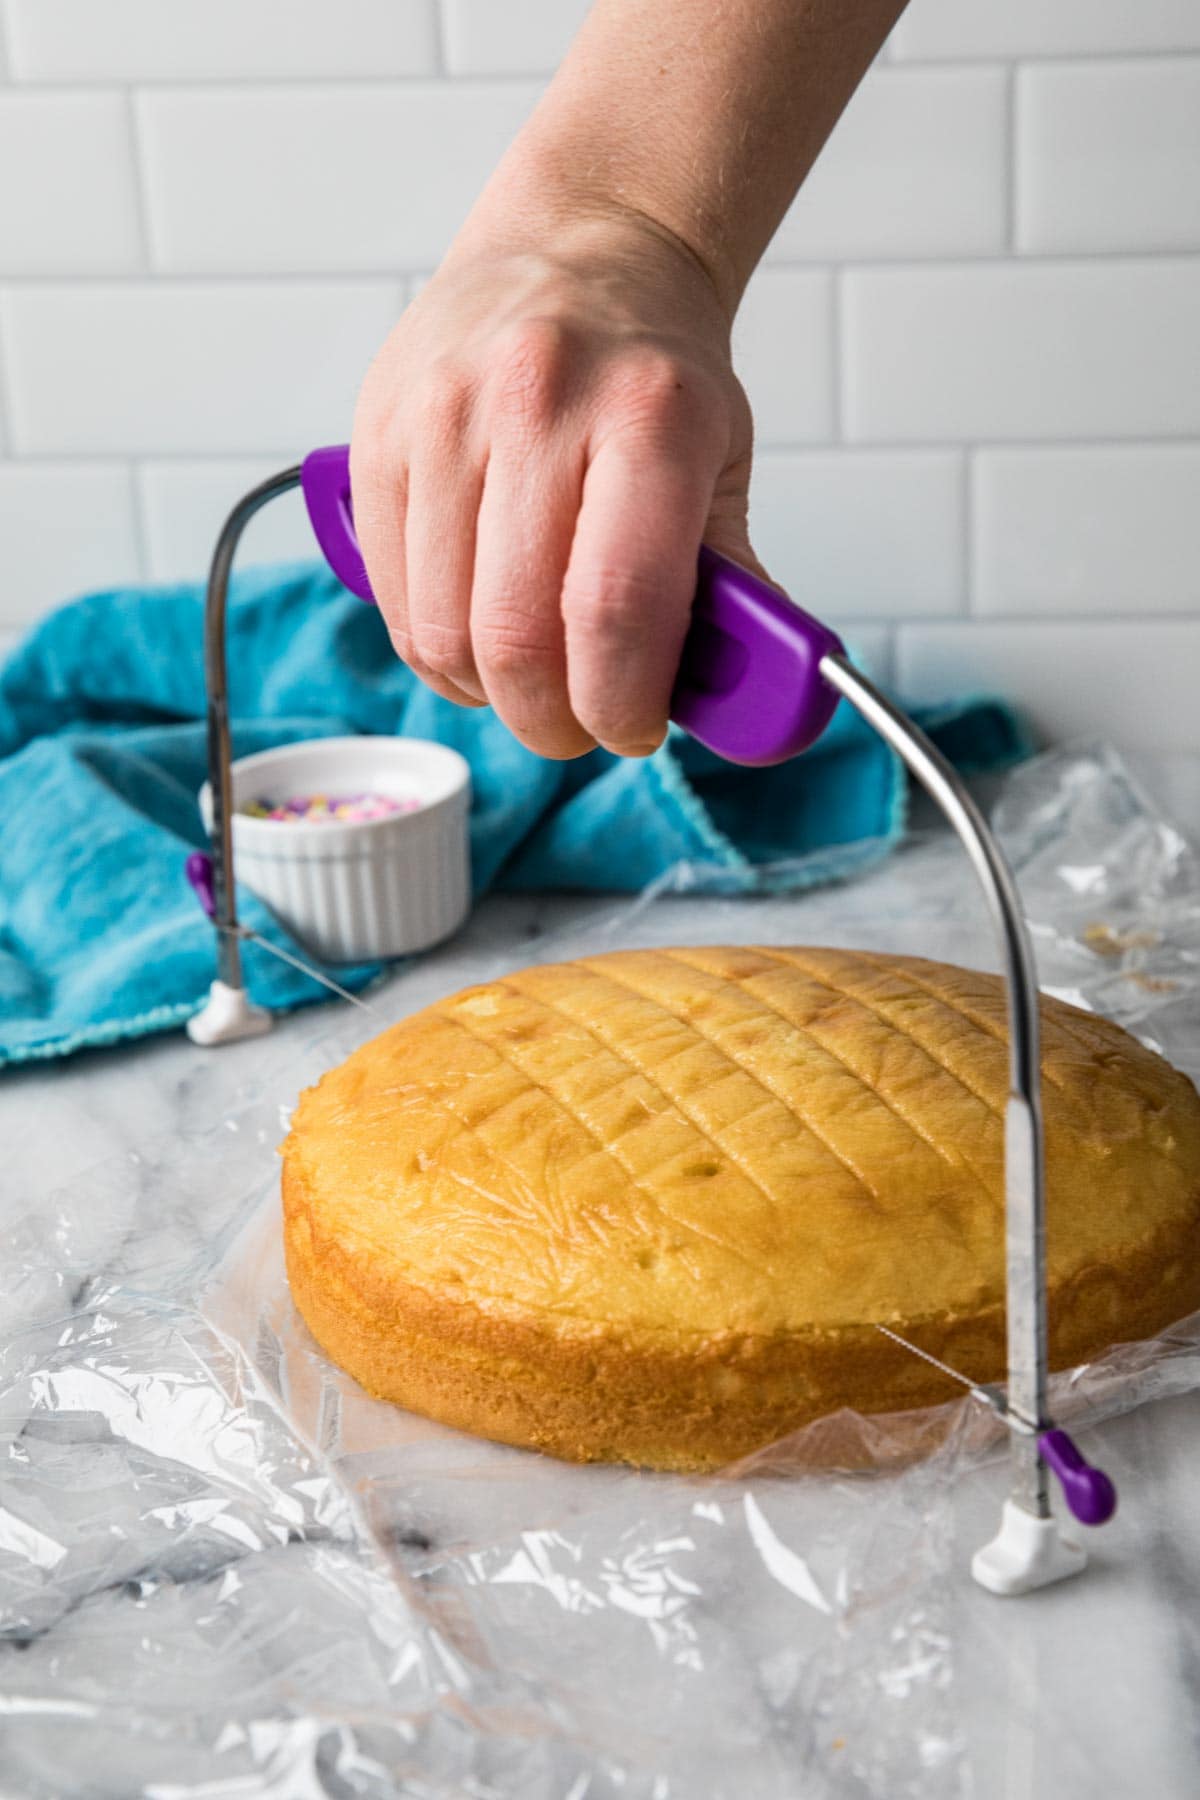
x=650 y=1206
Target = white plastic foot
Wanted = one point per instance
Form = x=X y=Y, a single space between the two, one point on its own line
x=226 y=1016
x=1026 y=1553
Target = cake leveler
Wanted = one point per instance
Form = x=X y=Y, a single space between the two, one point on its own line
x=758 y=682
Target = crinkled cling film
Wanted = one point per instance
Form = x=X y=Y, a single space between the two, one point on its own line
x=224 y=1571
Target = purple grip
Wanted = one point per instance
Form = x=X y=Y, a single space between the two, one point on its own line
x=749 y=685
x=1088 y=1492
x=325 y=478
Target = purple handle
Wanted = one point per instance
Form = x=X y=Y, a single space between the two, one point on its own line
x=199 y=870
x=749 y=684
x=1089 y=1494
x=325 y=479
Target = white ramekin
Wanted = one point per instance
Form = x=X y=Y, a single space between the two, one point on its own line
x=356 y=891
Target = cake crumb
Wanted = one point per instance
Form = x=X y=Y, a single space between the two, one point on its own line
x=1106 y=941
x=1153 y=984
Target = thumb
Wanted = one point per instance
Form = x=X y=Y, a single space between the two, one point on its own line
x=728 y=533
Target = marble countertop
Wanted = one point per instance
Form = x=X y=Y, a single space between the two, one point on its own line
x=461 y=1619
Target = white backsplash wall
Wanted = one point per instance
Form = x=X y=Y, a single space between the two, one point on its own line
x=973 y=350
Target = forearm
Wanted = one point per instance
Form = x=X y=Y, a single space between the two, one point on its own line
x=701 y=116
x=554 y=426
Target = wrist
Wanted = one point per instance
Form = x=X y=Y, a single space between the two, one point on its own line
x=544 y=199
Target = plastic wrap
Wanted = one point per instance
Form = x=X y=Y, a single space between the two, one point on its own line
x=225 y=1571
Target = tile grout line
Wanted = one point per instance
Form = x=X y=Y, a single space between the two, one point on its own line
x=765 y=449
x=1094 y=261
x=907 y=447
x=141 y=194
x=969 y=527
x=439 y=39
x=107 y=459
x=435 y=76
x=141 y=523
x=1188 y=618
x=1011 y=193
x=222 y=85
x=8 y=448
x=836 y=356
x=169 y=281
x=1171 y=53
x=957 y=261
x=7 y=421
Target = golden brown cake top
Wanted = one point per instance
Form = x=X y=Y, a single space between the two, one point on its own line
x=702 y=1141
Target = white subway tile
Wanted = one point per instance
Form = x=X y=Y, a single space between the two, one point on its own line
x=1132 y=682
x=1088 y=530
x=68 y=200
x=967 y=28
x=184 y=505
x=310 y=178
x=783 y=352
x=64 y=529
x=917 y=166
x=157 y=40
x=1022 y=351
x=1108 y=156
x=862 y=533
x=529 y=38
x=227 y=368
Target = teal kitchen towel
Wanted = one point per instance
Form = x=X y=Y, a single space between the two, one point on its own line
x=102 y=754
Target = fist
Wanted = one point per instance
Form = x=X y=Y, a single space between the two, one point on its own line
x=539 y=449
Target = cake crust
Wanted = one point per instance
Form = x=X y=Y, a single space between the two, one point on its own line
x=649 y=1207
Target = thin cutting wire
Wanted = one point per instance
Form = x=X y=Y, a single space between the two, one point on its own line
x=998 y=1405
x=252 y=937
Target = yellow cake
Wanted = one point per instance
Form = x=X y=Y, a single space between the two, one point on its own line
x=648 y=1207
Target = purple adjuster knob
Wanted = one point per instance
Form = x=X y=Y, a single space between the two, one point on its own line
x=1088 y=1492
x=199 y=871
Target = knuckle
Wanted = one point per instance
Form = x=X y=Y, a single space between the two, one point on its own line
x=443 y=406
x=370 y=445
x=402 y=644
x=530 y=368
x=378 y=470
x=514 y=648
x=610 y=604
x=543 y=721
x=446 y=652
x=623 y=720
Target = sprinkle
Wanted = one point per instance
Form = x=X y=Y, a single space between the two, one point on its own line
x=325 y=809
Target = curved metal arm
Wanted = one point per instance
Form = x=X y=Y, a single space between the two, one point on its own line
x=1024 y=1175
x=220 y=783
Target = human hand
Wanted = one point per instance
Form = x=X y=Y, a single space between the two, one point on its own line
x=540 y=447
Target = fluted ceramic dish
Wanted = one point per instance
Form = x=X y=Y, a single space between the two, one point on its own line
x=354 y=890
